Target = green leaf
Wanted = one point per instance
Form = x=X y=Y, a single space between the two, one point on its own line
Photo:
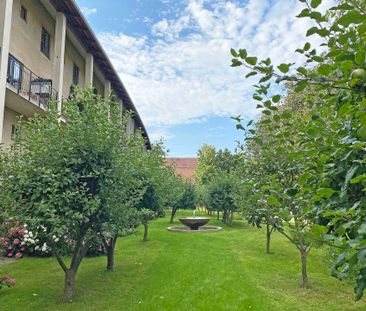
x=307 y=46
x=283 y=68
x=358 y=179
x=311 y=31
x=267 y=61
x=235 y=63
x=265 y=78
x=251 y=60
x=240 y=127
x=250 y=74
x=325 y=69
x=304 y=13
x=315 y=3
x=360 y=57
x=318 y=59
x=257 y=97
x=325 y=192
x=301 y=86
x=302 y=70
x=233 y=52
x=271 y=200
x=352 y=17
x=243 y=53
x=276 y=98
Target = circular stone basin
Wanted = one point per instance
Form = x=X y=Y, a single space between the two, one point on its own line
x=194 y=222
x=200 y=229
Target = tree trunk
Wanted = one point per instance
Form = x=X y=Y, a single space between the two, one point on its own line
x=145 y=231
x=304 y=255
x=110 y=259
x=218 y=215
x=174 y=210
x=110 y=247
x=231 y=218
x=268 y=243
x=69 y=287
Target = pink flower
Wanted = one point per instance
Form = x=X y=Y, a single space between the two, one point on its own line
x=16 y=242
x=21 y=231
x=10 y=247
x=18 y=255
x=10 y=235
x=10 y=255
x=17 y=223
x=6 y=277
x=12 y=282
x=6 y=244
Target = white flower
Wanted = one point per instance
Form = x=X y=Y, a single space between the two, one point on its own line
x=26 y=236
x=30 y=234
x=25 y=226
x=22 y=243
x=57 y=239
x=25 y=231
x=36 y=248
x=53 y=237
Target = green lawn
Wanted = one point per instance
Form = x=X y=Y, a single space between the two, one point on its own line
x=225 y=270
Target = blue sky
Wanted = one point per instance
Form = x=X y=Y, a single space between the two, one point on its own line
x=174 y=58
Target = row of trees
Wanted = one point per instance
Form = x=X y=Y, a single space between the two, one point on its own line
x=82 y=180
x=216 y=181
x=303 y=169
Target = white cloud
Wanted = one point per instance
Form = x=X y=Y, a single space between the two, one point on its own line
x=88 y=11
x=181 y=73
x=159 y=133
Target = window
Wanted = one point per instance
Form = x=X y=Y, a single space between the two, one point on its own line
x=14 y=131
x=75 y=75
x=45 y=42
x=23 y=13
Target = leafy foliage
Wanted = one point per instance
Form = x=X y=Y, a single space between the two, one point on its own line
x=324 y=145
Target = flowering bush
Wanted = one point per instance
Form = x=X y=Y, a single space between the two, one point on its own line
x=11 y=240
x=17 y=240
x=5 y=280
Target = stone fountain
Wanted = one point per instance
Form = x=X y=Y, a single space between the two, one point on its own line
x=194 y=224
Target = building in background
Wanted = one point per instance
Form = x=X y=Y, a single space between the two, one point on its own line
x=184 y=167
x=47 y=48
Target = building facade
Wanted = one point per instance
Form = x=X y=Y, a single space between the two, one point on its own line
x=47 y=48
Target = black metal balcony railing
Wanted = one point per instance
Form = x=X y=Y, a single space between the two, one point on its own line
x=30 y=86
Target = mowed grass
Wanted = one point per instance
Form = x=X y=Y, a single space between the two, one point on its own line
x=226 y=270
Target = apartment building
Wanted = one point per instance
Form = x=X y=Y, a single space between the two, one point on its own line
x=47 y=47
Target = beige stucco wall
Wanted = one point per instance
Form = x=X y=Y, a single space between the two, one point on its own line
x=25 y=42
x=2 y=7
x=72 y=56
x=10 y=118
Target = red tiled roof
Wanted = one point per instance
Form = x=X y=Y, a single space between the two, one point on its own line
x=185 y=167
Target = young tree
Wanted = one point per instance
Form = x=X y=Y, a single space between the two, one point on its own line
x=60 y=175
x=187 y=199
x=220 y=197
x=328 y=141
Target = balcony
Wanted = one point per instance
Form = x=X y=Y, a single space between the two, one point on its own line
x=28 y=85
